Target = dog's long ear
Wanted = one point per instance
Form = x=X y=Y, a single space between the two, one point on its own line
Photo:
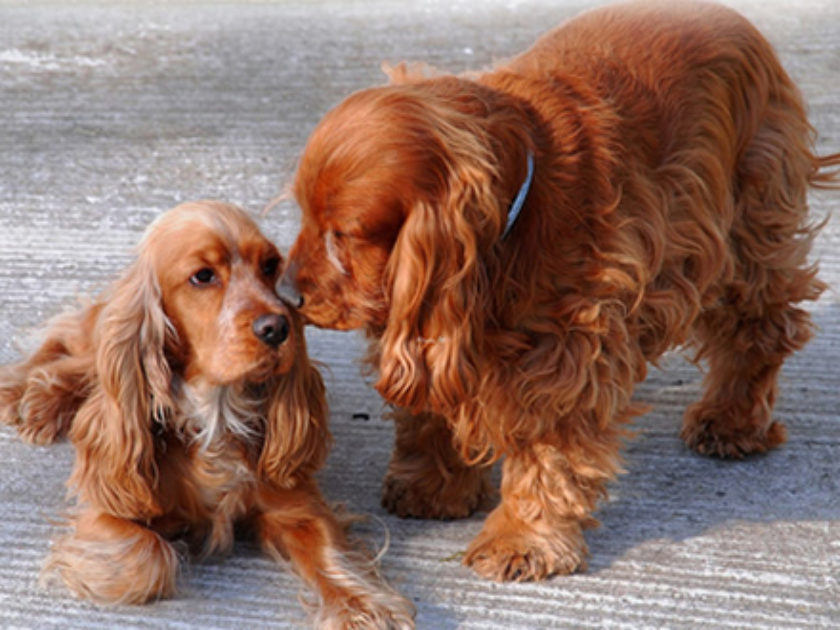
x=437 y=277
x=113 y=432
x=297 y=435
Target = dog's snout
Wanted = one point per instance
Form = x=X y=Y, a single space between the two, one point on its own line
x=271 y=329
x=287 y=288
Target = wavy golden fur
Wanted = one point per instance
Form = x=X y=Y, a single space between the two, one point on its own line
x=188 y=395
x=668 y=208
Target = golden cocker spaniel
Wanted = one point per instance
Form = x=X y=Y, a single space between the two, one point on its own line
x=193 y=408
x=518 y=244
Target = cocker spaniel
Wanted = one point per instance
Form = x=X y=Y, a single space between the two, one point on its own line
x=193 y=408
x=518 y=244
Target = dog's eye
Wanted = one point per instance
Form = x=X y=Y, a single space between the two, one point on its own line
x=202 y=277
x=269 y=267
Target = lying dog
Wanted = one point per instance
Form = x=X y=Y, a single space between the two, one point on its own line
x=519 y=244
x=188 y=395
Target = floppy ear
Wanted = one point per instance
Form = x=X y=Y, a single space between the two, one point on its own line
x=113 y=433
x=297 y=436
x=438 y=277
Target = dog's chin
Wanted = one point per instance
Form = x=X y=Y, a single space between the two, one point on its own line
x=259 y=370
x=271 y=365
x=336 y=324
x=335 y=318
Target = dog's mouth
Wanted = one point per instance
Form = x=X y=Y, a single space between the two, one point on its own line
x=333 y=315
x=270 y=364
x=251 y=365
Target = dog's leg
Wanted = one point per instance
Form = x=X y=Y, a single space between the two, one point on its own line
x=12 y=387
x=426 y=476
x=745 y=354
x=49 y=398
x=297 y=525
x=112 y=560
x=41 y=397
x=756 y=324
x=548 y=494
x=42 y=394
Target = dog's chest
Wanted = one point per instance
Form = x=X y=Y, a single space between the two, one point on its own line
x=213 y=415
x=221 y=431
x=225 y=481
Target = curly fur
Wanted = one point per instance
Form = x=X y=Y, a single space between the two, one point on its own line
x=668 y=208
x=188 y=419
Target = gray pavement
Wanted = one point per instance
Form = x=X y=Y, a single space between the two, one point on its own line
x=113 y=112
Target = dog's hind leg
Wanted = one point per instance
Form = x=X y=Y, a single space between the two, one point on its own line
x=745 y=354
x=41 y=398
x=757 y=324
x=41 y=395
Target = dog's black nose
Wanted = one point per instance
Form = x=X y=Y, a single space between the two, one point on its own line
x=271 y=329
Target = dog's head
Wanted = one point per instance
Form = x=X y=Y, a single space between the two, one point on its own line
x=404 y=193
x=211 y=272
x=198 y=303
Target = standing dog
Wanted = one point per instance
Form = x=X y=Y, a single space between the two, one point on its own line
x=518 y=244
x=188 y=395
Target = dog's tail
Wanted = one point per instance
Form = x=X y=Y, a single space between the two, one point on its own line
x=826 y=173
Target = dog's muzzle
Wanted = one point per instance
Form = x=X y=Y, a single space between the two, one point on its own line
x=286 y=288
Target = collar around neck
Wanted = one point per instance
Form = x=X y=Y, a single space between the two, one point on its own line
x=519 y=200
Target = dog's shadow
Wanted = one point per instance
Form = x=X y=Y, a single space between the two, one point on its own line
x=670 y=494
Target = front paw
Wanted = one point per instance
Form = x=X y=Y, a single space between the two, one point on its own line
x=392 y=613
x=410 y=494
x=508 y=549
x=110 y=560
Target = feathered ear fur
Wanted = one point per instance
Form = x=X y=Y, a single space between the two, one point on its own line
x=437 y=274
x=113 y=432
x=297 y=437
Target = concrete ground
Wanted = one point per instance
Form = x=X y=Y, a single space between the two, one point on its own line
x=112 y=112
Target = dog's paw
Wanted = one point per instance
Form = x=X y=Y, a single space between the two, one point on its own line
x=719 y=436
x=396 y=613
x=432 y=496
x=507 y=550
x=43 y=419
x=42 y=433
x=10 y=395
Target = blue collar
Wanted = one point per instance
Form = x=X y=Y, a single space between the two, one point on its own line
x=519 y=201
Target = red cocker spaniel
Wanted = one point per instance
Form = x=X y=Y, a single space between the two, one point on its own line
x=188 y=395
x=518 y=245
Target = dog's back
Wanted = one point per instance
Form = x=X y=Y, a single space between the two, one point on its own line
x=666 y=62
x=652 y=44
x=706 y=146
